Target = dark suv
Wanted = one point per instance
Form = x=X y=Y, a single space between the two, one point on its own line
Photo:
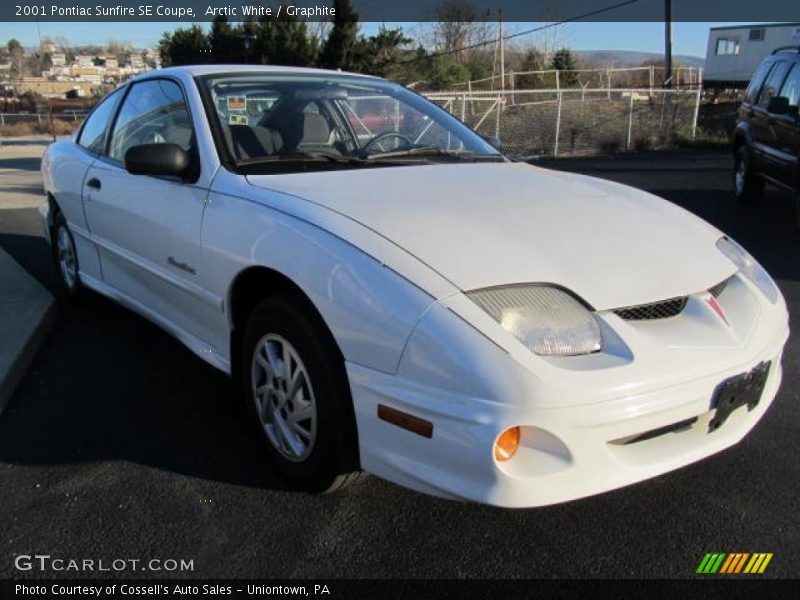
x=766 y=140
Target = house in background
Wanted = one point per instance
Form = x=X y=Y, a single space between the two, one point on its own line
x=734 y=52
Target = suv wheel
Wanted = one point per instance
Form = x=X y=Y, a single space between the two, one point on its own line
x=298 y=397
x=748 y=186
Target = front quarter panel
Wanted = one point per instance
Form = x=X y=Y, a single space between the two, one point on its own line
x=369 y=308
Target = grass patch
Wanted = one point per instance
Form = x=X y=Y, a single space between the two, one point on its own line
x=702 y=140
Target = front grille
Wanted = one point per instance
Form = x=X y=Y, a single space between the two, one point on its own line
x=717 y=290
x=651 y=312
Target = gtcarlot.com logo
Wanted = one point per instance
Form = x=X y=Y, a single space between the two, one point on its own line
x=45 y=562
x=734 y=563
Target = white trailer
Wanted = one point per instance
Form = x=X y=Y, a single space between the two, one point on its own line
x=734 y=52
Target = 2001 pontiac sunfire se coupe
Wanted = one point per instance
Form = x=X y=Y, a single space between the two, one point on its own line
x=396 y=296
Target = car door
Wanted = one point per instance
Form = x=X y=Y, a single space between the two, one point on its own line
x=68 y=165
x=765 y=140
x=147 y=228
x=787 y=128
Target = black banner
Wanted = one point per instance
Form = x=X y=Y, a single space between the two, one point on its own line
x=402 y=10
x=704 y=587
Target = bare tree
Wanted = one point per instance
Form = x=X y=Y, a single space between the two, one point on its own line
x=459 y=26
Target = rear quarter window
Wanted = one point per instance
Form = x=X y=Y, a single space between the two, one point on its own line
x=773 y=84
x=756 y=82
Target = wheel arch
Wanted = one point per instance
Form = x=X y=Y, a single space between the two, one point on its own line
x=741 y=137
x=257 y=283
x=254 y=284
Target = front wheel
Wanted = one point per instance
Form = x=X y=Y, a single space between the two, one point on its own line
x=748 y=186
x=297 y=395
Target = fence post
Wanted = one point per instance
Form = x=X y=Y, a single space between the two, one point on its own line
x=558 y=79
x=696 y=112
x=497 y=117
x=652 y=78
x=464 y=107
x=2 y=119
x=630 y=122
x=558 y=125
x=511 y=83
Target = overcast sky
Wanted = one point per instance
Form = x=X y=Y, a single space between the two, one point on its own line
x=688 y=38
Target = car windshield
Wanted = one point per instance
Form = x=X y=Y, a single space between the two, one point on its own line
x=355 y=121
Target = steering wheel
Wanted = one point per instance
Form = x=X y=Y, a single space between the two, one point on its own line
x=385 y=136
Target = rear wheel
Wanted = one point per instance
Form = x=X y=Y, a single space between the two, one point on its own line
x=65 y=257
x=748 y=186
x=297 y=395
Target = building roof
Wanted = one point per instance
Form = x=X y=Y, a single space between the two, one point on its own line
x=755 y=26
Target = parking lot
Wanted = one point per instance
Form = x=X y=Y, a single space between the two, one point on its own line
x=120 y=443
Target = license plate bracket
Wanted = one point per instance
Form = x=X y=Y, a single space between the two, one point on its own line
x=738 y=391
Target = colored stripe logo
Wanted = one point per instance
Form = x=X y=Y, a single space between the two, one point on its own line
x=734 y=563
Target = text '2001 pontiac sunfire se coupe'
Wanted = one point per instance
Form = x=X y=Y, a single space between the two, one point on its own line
x=394 y=295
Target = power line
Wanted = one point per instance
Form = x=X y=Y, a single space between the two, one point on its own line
x=521 y=33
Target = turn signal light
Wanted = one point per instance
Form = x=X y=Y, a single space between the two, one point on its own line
x=506 y=445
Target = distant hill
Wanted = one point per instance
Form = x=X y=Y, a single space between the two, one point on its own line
x=631 y=58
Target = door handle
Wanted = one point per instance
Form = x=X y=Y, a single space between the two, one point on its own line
x=94 y=183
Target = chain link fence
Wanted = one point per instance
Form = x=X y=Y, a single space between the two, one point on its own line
x=565 y=122
x=55 y=124
x=651 y=77
x=576 y=122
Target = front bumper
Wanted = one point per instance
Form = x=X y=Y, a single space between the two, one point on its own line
x=568 y=450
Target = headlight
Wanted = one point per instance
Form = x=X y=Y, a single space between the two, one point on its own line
x=549 y=321
x=749 y=267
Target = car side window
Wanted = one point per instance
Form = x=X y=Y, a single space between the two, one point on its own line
x=93 y=132
x=773 y=83
x=756 y=82
x=153 y=112
x=791 y=87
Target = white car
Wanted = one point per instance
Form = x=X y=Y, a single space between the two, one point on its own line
x=396 y=296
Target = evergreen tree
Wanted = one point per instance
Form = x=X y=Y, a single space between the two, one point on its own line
x=185 y=47
x=564 y=60
x=345 y=48
x=226 y=41
x=288 y=42
x=383 y=50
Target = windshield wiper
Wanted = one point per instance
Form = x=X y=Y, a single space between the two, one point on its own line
x=300 y=156
x=434 y=151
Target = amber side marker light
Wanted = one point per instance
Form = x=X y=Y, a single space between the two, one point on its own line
x=405 y=421
x=506 y=445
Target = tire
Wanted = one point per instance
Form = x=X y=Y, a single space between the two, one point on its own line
x=748 y=186
x=65 y=258
x=308 y=432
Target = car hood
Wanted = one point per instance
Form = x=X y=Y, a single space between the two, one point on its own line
x=490 y=224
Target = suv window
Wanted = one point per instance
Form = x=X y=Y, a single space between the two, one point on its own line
x=154 y=112
x=791 y=87
x=93 y=132
x=773 y=84
x=756 y=82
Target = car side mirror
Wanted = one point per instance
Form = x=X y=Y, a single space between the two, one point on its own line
x=493 y=141
x=778 y=105
x=168 y=160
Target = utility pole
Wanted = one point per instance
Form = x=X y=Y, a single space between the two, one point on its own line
x=667 y=43
x=502 y=56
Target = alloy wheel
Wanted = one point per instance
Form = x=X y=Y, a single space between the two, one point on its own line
x=67 y=263
x=284 y=398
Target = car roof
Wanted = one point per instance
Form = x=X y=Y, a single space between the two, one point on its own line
x=199 y=70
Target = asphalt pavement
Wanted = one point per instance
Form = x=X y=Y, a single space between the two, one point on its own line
x=120 y=443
